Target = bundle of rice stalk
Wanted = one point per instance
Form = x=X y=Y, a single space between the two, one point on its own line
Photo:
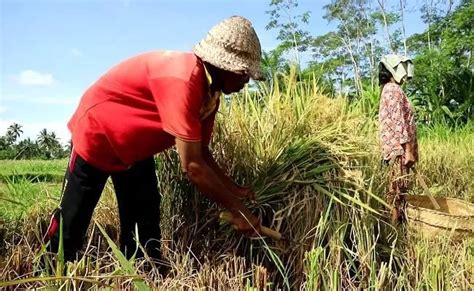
x=295 y=147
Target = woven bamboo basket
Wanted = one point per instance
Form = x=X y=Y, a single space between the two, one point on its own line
x=455 y=218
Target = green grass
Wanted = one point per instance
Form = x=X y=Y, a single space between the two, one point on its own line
x=21 y=197
x=35 y=170
x=27 y=186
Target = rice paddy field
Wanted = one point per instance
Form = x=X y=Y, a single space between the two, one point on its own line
x=314 y=163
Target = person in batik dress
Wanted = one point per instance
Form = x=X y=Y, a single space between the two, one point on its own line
x=397 y=130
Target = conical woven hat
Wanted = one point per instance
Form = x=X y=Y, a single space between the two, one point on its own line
x=232 y=45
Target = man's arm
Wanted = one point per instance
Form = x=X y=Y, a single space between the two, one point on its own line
x=239 y=191
x=212 y=186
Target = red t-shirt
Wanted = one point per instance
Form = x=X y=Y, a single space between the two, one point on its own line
x=138 y=108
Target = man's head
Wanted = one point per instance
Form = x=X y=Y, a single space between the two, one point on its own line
x=233 y=49
x=226 y=81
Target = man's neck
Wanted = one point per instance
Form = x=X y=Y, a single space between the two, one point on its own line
x=215 y=76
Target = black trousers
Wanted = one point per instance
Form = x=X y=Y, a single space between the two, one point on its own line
x=138 y=202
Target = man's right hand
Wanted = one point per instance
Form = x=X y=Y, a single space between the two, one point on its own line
x=246 y=223
x=212 y=186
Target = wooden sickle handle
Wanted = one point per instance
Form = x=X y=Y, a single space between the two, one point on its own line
x=426 y=189
x=227 y=216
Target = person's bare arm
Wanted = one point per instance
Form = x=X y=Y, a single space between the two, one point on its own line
x=212 y=186
x=239 y=191
x=409 y=157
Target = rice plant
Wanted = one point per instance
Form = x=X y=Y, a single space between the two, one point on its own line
x=314 y=164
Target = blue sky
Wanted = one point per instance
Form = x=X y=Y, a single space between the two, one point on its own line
x=52 y=50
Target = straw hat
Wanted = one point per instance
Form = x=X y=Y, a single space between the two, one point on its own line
x=232 y=45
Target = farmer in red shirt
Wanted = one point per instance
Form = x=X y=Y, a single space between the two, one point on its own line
x=141 y=107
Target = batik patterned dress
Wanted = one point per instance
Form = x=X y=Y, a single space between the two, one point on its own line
x=397 y=127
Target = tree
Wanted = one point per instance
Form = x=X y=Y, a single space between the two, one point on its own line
x=13 y=133
x=292 y=36
x=402 y=18
x=273 y=62
x=49 y=145
x=3 y=143
x=27 y=149
x=353 y=46
x=330 y=56
x=346 y=59
x=442 y=87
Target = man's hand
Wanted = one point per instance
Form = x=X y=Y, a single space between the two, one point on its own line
x=216 y=186
x=245 y=192
x=246 y=223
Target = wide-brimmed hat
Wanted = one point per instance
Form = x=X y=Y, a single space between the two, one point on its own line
x=399 y=66
x=232 y=45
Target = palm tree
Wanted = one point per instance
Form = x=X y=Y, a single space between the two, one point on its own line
x=13 y=133
x=3 y=143
x=44 y=142
x=27 y=149
x=43 y=138
x=49 y=144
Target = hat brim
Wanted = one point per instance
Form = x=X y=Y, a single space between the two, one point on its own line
x=222 y=59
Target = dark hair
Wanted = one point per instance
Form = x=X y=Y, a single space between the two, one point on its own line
x=384 y=75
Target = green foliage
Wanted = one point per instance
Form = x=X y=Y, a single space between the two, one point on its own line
x=442 y=88
x=368 y=103
x=20 y=196
x=13 y=132
x=273 y=62
x=351 y=46
x=294 y=39
x=27 y=149
x=290 y=33
x=47 y=145
x=345 y=60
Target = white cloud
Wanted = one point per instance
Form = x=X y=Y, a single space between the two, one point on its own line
x=39 y=100
x=34 y=78
x=76 y=52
